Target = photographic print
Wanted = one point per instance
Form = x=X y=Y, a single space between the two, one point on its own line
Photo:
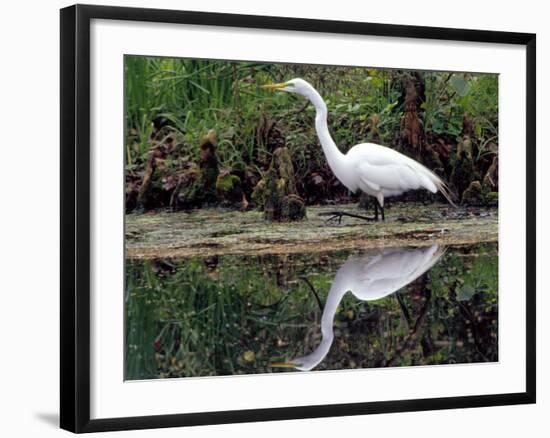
x=296 y=218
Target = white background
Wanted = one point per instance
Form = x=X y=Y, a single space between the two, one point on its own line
x=29 y=214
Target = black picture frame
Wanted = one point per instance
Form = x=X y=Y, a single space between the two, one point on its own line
x=75 y=217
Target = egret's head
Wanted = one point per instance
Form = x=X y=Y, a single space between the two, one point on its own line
x=307 y=363
x=296 y=364
x=298 y=86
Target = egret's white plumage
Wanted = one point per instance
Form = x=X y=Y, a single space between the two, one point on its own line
x=376 y=170
x=372 y=276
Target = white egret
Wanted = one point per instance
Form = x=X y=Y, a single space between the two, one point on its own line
x=373 y=276
x=374 y=169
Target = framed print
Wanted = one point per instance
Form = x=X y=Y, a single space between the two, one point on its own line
x=257 y=212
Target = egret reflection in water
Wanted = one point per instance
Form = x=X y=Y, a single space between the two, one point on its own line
x=369 y=277
x=233 y=314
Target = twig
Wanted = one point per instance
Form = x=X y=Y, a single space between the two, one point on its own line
x=413 y=334
x=404 y=310
x=313 y=291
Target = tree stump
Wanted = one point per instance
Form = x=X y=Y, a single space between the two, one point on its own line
x=464 y=176
x=472 y=195
x=411 y=131
x=490 y=183
x=203 y=190
x=146 y=184
x=230 y=191
x=276 y=192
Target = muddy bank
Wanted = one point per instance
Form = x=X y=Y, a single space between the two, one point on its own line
x=207 y=232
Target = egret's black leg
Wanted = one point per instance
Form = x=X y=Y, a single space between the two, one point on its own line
x=376 y=205
x=337 y=215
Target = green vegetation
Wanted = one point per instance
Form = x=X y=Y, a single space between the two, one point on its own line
x=449 y=121
x=236 y=314
x=214 y=292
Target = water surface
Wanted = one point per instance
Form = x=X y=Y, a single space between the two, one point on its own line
x=384 y=307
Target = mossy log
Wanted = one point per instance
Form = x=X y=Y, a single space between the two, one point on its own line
x=208 y=231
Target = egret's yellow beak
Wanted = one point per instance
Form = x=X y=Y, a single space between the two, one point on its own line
x=283 y=365
x=274 y=86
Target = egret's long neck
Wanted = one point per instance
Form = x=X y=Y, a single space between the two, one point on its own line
x=337 y=291
x=334 y=157
x=334 y=297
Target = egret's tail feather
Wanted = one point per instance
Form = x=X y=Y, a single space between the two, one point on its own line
x=435 y=180
x=446 y=192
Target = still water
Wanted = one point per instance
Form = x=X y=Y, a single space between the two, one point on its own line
x=383 y=307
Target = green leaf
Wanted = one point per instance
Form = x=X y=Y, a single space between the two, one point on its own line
x=460 y=85
x=477 y=129
x=465 y=293
x=389 y=107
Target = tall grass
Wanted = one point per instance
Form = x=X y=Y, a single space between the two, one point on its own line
x=193 y=96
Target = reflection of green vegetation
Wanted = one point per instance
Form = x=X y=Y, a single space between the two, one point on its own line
x=234 y=315
x=205 y=315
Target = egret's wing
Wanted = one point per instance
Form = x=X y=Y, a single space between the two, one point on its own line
x=394 y=268
x=393 y=177
x=390 y=170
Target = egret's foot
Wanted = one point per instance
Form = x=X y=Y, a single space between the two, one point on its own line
x=338 y=215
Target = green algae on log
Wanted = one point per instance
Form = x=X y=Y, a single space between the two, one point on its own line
x=210 y=231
